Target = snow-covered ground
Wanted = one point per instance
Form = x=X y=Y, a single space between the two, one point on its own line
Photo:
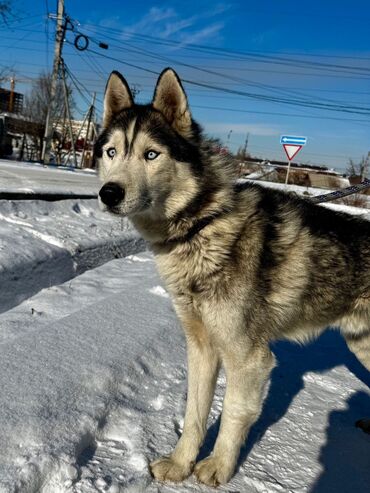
x=93 y=372
x=33 y=177
x=313 y=192
x=46 y=243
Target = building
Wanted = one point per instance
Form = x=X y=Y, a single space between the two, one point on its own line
x=10 y=101
x=17 y=137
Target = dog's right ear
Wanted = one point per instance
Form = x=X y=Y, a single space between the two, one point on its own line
x=170 y=99
x=117 y=97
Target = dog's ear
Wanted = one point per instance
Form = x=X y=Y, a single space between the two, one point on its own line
x=170 y=99
x=117 y=97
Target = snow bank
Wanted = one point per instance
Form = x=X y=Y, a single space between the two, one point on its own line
x=45 y=243
x=311 y=192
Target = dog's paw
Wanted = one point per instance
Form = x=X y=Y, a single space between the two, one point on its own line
x=166 y=469
x=213 y=471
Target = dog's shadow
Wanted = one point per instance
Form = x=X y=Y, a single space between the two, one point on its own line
x=293 y=361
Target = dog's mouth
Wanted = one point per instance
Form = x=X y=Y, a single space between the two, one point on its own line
x=127 y=207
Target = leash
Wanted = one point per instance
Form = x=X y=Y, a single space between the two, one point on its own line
x=327 y=197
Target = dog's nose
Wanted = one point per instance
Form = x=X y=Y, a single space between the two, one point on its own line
x=111 y=194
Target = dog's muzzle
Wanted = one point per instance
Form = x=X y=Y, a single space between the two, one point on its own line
x=111 y=194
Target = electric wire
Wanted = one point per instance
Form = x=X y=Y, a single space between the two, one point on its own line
x=331 y=107
x=266 y=87
x=263 y=58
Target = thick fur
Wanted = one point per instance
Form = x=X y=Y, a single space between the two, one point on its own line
x=244 y=265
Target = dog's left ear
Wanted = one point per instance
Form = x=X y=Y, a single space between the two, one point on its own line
x=117 y=97
x=170 y=99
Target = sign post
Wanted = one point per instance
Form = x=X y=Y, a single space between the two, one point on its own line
x=292 y=145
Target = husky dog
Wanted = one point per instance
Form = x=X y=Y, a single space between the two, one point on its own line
x=244 y=265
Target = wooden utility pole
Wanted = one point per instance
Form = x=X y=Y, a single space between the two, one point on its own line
x=59 y=39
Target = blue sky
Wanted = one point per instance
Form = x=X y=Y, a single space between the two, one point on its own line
x=283 y=57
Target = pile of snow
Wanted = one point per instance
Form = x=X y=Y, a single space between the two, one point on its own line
x=312 y=192
x=45 y=243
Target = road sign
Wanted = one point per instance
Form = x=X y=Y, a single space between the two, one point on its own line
x=293 y=140
x=291 y=150
x=292 y=145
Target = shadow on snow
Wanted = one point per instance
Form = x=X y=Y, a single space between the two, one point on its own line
x=345 y=455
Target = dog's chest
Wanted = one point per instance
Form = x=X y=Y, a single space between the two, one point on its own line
x=193 y=275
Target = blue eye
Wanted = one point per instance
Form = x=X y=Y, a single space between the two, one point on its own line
x=150 y=155
x=111 y=152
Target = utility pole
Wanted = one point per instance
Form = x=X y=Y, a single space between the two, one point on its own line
x=11 y=97
x=59 y=39
x=91 y=114
x=68 y=113
x=246 y=145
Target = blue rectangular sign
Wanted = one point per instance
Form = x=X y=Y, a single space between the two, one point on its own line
x=293 y=140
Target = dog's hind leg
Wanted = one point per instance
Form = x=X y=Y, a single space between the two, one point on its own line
x=247 y=371
x=202 y=375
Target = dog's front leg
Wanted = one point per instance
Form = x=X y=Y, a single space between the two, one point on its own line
x=246 y=375
x=202 y=375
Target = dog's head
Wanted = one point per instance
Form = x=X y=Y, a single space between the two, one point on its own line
x=147 y=155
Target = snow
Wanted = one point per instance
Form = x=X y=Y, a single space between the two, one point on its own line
x=45 y=243
x=93 y=372
x=312 y=192
x=35 y=178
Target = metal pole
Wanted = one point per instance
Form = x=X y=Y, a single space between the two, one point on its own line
x=91 y=112
x=66 y=102
x=79 y=132
x=246 y=144
x=11 y=97
x=287 y=172
x=59 y=39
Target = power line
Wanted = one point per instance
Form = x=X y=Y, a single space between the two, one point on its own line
x=291 y=115
x=223 y=75
x=330 y=107
x=20 y=19
x=250 y=69
x=263 y=58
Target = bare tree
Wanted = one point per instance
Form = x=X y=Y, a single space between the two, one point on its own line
x=37 y=101
x=36 y=105
x=5 y=11
x=359 y=169
x=4 y=74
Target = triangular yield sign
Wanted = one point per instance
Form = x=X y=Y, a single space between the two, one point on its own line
x=291 y=150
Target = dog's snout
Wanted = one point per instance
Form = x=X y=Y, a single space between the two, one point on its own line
x=111 y=194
